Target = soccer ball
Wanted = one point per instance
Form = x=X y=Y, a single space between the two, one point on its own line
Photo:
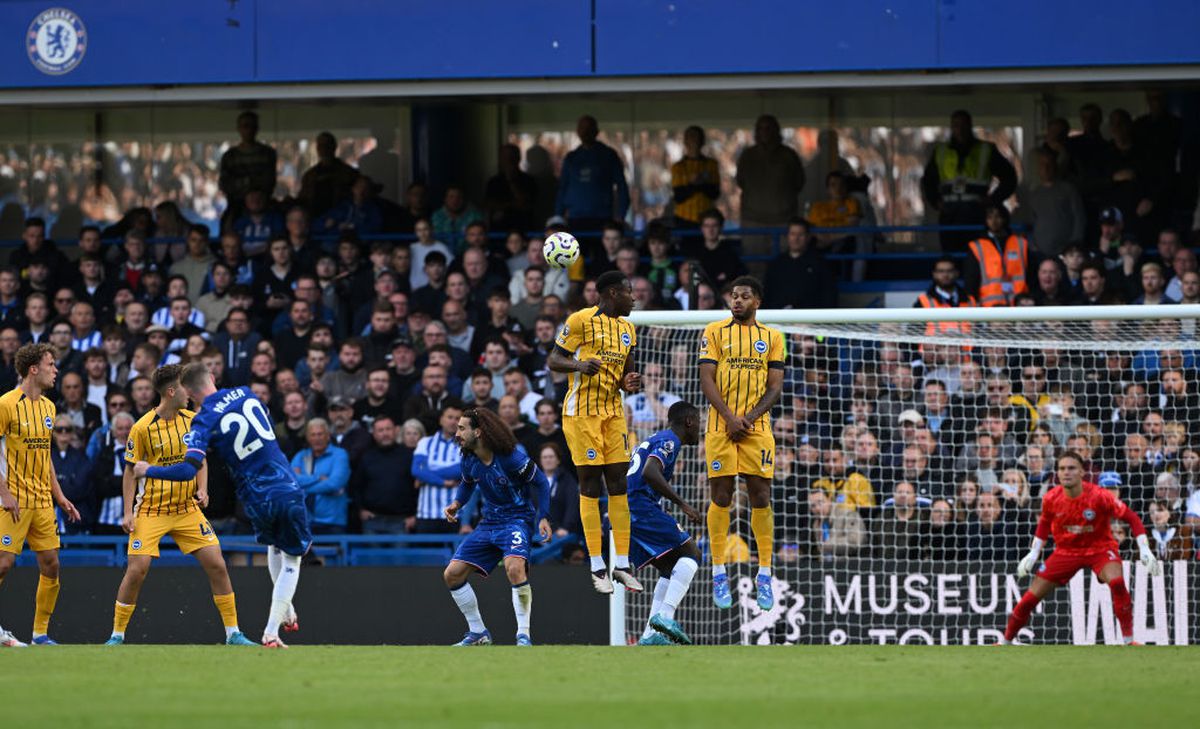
x=560 y=250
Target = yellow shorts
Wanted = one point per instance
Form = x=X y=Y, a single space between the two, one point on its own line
x=191 y=531
x=37 y=526
x=596 y=440
x=753 y=455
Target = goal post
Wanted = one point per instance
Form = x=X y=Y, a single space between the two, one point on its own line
x=912 y=448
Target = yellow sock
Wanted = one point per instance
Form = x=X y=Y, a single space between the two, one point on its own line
x=762 y=523
x=589 y=515
x=718 y=531
x=47 y=596
x=121 y=615
x=618 y=516
x=228 y=608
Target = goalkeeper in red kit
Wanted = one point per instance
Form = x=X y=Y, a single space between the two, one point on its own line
x=1077 y=515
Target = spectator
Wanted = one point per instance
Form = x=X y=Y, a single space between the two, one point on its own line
x=236 y=344
x=66 y=358
x=291 y=343
x=73 y=471
x=432 y=399
x=37 y=314
x=695 y=181
x=837 y=532
x=1184 y=263
x=997 y=268
x=298 y=230
x=647 y=410
x=195 y=265
x=377 y=401
x=290 y=430
x=718 y=257
x=591 y=188
x=557 y=280
x=1153 y=286
x=564 y=492
x=837 y=210
x=450 y=221
x=177 y=288
x=328 y=182
x=849 y=490
x=1051 y=289
x=989 y=536
x=944 y=537
x=481 y=390
x=108 y=472
x=957 y=180
x=74 y=406
x=247 y=166
x=258 y=224
x=603 y=259
x=430 y=297
x=511 y=194
x=771 y=177
x=1172 y=540
x=526 y=310
x=346 y=432
x=437 y=469
x=1053 y=207
x=359 y=213
x=423 y=246
x=323 y=473
x=902 y=531
x=548 y=430
x=800 y=278
x=509 y=411
x=383 y=483
x=216 y=304
x=1093 y=286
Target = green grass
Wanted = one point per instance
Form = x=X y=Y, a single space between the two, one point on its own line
x=571 y=687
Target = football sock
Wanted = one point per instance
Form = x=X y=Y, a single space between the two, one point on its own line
x=1122 y=606
x=718 y=531
x=660 y=592
x=589 y=516
x=1020 y=615
x=522 y=597
x=227 y=606
x=274 y=562
x=121 y=615
x=47 y=596
x=762 y=523
x=285 y=590
x=618 y=516
x=681 y=580
x=464 y=597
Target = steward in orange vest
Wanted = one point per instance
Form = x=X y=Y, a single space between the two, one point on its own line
x=945 y=293
x=997 y=267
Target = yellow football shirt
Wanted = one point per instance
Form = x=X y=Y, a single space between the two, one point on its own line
x=26 y=426
x=160 y=443
x=742 y=354
x=589 y=334
x=697 y=203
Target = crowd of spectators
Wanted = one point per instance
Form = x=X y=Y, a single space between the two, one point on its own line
x=366 y=350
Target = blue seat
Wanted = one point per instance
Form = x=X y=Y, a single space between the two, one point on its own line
x=406 y=557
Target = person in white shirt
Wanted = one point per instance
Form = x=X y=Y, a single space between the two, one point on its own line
x=420 y=248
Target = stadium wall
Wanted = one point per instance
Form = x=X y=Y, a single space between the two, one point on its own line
x=285 y=41
x=342 y=606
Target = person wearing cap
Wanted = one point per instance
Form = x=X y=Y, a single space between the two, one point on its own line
x=1122 y=257
x=997 y=268
x=345 y=431
x=404 y=372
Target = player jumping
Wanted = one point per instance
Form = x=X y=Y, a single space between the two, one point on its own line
x=594 y=346
x=507 y=480
x=168 y=507
x=235 y=423
x=1078 y=514
x=656 y=537
x=28 y=485
x=741 y=376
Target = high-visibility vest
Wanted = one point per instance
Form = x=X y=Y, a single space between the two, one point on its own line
x=964 y=179
x=933 y=328
x=1001 y=278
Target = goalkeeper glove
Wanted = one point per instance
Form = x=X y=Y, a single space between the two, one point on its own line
x=1026 y=565
x=1147 y=558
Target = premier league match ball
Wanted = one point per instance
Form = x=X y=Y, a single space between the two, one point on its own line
x=560 y=250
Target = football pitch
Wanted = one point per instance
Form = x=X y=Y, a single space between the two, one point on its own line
x=867 y=686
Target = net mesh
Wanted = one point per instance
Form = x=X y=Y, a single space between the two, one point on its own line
x=932 y=444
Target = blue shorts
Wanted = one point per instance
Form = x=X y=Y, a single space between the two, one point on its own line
x=652 y=532
x=282 y=523
x=490 y=543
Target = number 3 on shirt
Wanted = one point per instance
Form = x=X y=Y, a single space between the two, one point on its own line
x=252 y=416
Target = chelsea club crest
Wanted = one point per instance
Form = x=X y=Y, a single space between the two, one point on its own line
x=56 y=41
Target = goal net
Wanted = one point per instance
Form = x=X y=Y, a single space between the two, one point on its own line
x=912 y=449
